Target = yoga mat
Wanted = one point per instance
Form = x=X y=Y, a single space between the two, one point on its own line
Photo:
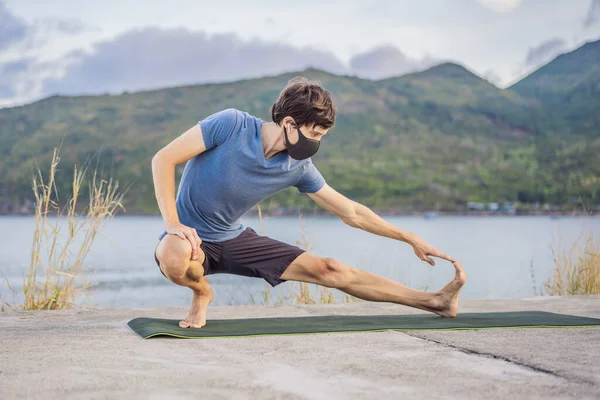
x=152 y=327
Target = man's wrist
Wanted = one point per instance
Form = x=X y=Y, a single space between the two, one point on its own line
x=408 y=237
x=171 y=221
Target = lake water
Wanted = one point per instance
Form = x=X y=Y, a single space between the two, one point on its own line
x=499 y=254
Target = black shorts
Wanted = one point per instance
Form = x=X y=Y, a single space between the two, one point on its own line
x=248 y=255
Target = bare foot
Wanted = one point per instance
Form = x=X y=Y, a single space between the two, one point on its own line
x=445 y=302
x=197 y=315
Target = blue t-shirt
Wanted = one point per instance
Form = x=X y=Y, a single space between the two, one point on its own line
x=224 y=182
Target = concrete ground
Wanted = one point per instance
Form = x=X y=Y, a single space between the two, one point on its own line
x=94 y=355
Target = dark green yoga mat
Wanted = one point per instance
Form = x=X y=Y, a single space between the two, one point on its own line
x=152 y=327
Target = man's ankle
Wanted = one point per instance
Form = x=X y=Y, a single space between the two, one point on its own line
x=204 y=291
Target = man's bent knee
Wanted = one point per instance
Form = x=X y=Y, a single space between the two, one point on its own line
x=334 y=274
x=175 y=255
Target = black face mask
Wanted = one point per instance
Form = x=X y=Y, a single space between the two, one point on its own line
x=304 y=148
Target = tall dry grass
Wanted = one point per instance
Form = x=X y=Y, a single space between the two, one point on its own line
x=576 y=267
x=52 y=280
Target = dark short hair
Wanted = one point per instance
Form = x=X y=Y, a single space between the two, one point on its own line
x=306 y=102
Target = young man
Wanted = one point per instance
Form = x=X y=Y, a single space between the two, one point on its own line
x=234 y=161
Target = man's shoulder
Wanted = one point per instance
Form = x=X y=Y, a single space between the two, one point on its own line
x=232 y=111
x=242 y=118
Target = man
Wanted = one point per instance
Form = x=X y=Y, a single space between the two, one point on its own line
x=234 y=161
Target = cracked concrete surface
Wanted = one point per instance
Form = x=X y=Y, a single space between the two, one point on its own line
x=92 y=355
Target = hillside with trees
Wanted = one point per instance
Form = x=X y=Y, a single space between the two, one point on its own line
x=435 y=139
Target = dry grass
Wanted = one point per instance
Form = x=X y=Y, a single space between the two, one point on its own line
x=577 y=267
x=50 y=283
x=4 y=304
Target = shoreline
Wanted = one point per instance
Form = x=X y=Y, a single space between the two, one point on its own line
x=423 y=214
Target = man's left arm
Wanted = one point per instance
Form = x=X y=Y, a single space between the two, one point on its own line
x=359 y=216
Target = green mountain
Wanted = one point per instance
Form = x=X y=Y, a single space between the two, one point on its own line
x=563 y=74
x=567 y=90
x=433 y=139
x=455 y=100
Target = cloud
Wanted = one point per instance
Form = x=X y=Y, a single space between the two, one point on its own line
x=545 y=52
x=15 y=31
x=593 y=14
x=62 y=26
x=70 y=27
x=500 y=5
x=11 y=73
x=492 y=77
x=13 y=68
x=12 y=29
x=153 y=58
x=386 y=61
x=21 y=79
x=6 y=90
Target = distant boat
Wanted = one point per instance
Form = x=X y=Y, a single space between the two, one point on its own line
x=430 y=215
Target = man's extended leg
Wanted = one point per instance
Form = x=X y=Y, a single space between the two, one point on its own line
x=368 y=286
x=174 y=255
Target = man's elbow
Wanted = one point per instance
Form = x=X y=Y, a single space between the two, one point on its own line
x=158 y=159
x=351 y=216
x=158 y=163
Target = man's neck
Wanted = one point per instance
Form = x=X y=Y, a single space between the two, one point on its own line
x=272 y=139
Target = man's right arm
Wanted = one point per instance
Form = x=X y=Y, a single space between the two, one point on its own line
x=208 y=133
x=178 y=151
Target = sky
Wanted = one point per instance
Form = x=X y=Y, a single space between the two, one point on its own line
x=74 y=47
